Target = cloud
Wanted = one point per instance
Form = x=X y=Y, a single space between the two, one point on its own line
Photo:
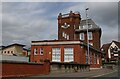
x=104 y=14
x=60 y=1
x=24 y=22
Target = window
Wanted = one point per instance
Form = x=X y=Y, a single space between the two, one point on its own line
x=8 y=52
x=56 y=54
x=81 y=36
x=90 y=35
x=41 y=51
x=11 y=52
x=35 y=51
x=86 y=56
x=84 y=26
x=67 y=37
x=68 y=55
x=80 y=27
x=111 y=50
x=63 y=34
x=5 y=52
x=95 y=58
x=89 y=25
x=74 y=26
x=90 y=57
x=115 y=48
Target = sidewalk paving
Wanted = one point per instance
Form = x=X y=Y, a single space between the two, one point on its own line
x=91 y=73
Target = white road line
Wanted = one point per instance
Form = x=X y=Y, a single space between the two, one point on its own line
x=104 y=74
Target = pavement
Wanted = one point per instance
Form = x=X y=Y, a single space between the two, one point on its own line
x=88 y=74
x=92 y=74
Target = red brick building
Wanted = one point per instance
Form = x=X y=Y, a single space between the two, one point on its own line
x=71 y=45
x=71 y=27
x=65 y=51
x=111 y=51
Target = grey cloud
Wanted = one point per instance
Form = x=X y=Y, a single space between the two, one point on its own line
x=25 y=22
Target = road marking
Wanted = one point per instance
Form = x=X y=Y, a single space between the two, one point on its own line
x=105 y=74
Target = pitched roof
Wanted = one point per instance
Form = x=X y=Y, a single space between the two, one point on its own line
x=14 y=45
x=91 y=24
x=117 y=43
x=1 y=47
x=106 y=46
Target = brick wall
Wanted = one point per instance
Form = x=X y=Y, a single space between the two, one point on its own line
x=21 y=69
x=73 y=20
x=79 y=54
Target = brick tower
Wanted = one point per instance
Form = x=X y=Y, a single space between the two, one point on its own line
x=67 y=23
x=71 y=27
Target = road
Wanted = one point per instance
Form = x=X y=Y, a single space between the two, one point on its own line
x=93 y=74
x=112 y=75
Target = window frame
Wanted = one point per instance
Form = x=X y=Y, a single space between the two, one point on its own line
x=56 y=54
x=82 y=36
x=90 y=36
x=91 y=57
x=35 y=50
x=41 y=50
x=68 y=54
x=95 y=59
x=67 y=37
x=63 y=34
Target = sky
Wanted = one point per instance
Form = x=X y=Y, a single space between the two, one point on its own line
x=23 y=22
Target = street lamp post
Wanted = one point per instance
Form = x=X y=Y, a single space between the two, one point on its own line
x=87 y=35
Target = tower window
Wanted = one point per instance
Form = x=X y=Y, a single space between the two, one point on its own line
x=63 y=34
x=81 y=36
x=67 y=37
x=90 y=36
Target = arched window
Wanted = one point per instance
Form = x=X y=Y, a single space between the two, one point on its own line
x=115 y=48
x=111 y=49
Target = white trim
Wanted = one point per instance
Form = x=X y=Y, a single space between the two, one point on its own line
x=115 y=54
x=55 y=43
x=109 y=55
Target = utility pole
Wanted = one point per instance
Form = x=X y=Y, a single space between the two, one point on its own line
x=87 y=35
